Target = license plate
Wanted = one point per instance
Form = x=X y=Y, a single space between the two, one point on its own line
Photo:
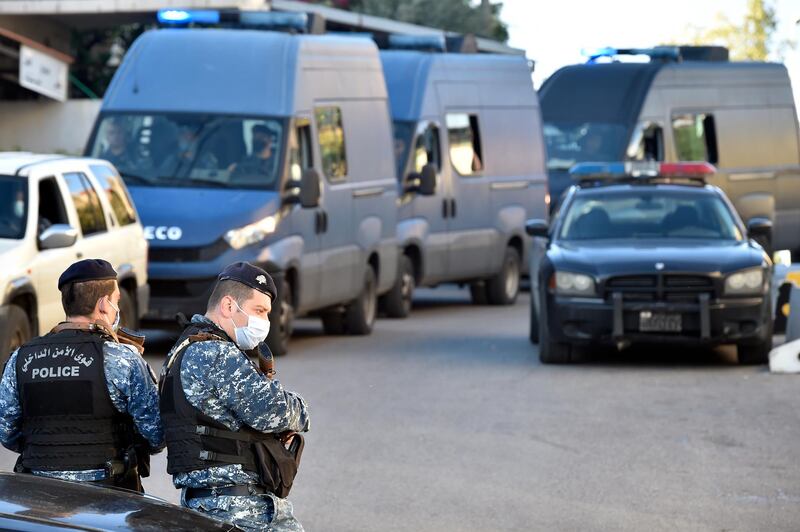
x=659 y=322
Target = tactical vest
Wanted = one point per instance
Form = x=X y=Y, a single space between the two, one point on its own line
x=68 y=420
x=195 y=440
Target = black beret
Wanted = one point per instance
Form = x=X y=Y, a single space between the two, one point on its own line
x=87 y=270
x=252 y=276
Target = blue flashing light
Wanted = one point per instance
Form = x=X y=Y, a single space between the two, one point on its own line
x=594 y=55
x=595 y=170
x=641 y=169
x=184 y=17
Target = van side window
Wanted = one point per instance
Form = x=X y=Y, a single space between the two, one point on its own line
x=330 y=134
x=465 y=143
x=87 y=203
x=695 y=137
x=426 y=149
x=51 y=204
x=300 y=150
x=116 y=193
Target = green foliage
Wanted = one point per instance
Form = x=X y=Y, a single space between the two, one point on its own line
x=459 y=16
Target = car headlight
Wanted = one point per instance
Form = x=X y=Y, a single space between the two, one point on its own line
x=574 y=284
x=250 y=234
x=745 y=282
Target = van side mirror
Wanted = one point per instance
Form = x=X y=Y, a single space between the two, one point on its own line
x=760 y=230
x=537 y=227
x=427 y=180
x=309 y=189
x=58 y=236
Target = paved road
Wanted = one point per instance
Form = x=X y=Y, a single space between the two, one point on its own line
x=447 y=421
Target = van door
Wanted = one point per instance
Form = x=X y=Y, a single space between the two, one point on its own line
x=305 y=222
x=49 y=264
x=433 y=209
x=469 y=226
x=338 y=251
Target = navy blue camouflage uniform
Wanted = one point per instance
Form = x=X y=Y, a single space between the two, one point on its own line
x=131 y=387
x=220 y=381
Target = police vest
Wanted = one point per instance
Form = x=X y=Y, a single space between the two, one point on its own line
x=68 y=420
x=195 y=440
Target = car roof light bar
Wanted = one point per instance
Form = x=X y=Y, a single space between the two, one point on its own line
x=266 y=20
x=422 y=43
x=609 y=171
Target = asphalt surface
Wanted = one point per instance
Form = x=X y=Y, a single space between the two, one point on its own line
x=447 y=421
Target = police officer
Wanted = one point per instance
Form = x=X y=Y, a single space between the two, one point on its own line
x=220 y=410
x=76 y=403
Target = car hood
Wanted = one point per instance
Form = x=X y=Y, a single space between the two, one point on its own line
x=614 y=257
x=7 y=245
x=201 y=215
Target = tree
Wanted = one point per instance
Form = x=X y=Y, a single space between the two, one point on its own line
x=461 y=16
x=752 y=39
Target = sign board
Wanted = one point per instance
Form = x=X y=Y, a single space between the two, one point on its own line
x=43 y=73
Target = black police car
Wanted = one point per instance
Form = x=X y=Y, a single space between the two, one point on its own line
x=649 y=253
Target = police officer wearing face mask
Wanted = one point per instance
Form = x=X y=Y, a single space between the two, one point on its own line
x=78 y=403
x=223 y=417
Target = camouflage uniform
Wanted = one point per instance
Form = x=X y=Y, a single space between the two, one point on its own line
x=219 y=380
x=131 y=387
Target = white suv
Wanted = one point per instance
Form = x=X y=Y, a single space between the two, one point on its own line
x=55 y=210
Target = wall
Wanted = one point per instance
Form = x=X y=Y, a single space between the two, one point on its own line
x=47 y=126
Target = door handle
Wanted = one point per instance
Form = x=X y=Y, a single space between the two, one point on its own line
x=453 y=208
x=318 y=222
x=445 y=208
x=324 y=221
x=321 y=222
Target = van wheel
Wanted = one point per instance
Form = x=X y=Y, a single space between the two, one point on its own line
x=19 y=331
x=502 y=289
x=128 y=316
x=359 y=316
x=397 y=302
x=477 y=292
x=281 y=322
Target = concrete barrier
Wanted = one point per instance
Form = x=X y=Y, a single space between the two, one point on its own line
x=47 y=126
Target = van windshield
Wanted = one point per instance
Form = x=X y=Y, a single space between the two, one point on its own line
x=191 y=150
x=574 y=142
x=403 y=135
x=13 y=206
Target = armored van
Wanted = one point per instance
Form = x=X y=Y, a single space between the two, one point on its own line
x=685 y=104
x=471 y=170
x=262 y=146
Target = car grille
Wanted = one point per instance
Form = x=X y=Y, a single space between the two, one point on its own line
x=193 y=254
x=660 y=287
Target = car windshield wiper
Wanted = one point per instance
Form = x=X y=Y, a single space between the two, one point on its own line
x=136 y=178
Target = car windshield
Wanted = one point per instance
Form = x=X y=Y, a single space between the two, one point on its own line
x=569 y=143
x=403 y=135
x=13 y=206
x=191 y=150
x=649 y=214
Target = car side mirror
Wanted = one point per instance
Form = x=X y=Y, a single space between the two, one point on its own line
x=58 y=236
x=537 y=227
x=309 y=189
x=427 y=180
x=759 y=227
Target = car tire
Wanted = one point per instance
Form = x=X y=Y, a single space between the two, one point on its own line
x=281 y=322
x=359 y=316
x=398 y=301
x=503 y=288
x=551 y=352
x=757 y=353
x=477 y=292
x=128 y=314
x=19 y=331
x=533 y=332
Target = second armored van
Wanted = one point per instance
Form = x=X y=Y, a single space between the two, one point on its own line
x=471 y=170
x=259 y=146
x=686 y=104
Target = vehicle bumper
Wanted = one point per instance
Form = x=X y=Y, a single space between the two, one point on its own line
x=705 y=322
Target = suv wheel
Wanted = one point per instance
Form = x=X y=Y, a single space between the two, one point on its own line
x=534 y=327
x=359 y=316
x=129 y=317
x=551 y=352
x=397 y=302
x=19 y=331
x=758 y=353
x=502 y=289
x=281 y=322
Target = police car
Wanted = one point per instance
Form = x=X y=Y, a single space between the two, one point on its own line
x=55 y=210
x=643 y=252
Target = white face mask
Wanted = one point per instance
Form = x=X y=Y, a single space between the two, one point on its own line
x=252 y=334
x=19 y=208
x=115 y=325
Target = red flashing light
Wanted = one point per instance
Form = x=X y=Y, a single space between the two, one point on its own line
x=698 y=169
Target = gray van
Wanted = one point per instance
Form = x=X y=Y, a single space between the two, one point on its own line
x=262 y=146
x=686 y=104
x=471 y=170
